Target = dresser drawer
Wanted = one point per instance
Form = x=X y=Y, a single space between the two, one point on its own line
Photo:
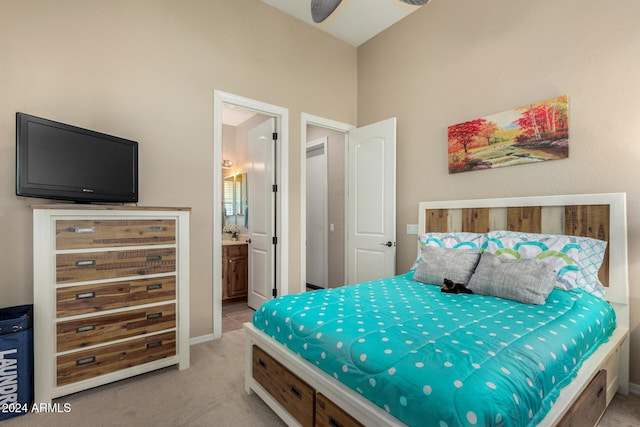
x=87 y=364
x=83 y=299
x=84 y=234
x=296 y=396
x=78 y=267
x=76 y=334
x=590 y=405
x=328 y=414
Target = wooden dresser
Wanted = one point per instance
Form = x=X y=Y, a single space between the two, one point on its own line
x=111 y=294
x=235 y=272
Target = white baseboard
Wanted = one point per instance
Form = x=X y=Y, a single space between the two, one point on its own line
x=201 y=339
x=634 y=388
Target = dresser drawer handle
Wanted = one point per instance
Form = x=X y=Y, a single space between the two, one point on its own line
x=155 y=228
x=154 y=258
x=600 y=391
x=261 y=363
x=295 y=392
x=85 y=262
x=86 y=328
x=85 y=295
x=154 y=344
x=154 y=316
x=85 y=360
x=333 y=422
x=154 y=286
x=84 y=230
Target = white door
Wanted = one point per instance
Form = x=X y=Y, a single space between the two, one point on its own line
x=371 y=216
x=317 y=213
x=261 y=202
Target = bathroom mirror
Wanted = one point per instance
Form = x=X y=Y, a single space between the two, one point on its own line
x=235 y=199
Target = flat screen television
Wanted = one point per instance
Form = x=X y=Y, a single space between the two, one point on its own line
x=64 y=162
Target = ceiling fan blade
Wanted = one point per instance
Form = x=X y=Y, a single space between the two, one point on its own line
x=321 y=9
x=415 y=2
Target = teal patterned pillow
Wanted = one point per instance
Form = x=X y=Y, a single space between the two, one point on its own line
x=586 y=253
x=560 y=252
x=453 y=240
x=591 y=257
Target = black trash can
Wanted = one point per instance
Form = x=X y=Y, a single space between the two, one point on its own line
x=16 y=360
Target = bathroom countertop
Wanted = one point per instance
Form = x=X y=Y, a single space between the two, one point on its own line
x=234 y=242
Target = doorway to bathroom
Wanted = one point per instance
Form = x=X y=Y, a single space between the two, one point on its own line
x=249 y=214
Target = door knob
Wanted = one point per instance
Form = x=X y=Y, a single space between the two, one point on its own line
x=248 y=241
x=388 y=244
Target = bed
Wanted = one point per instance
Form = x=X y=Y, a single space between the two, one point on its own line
x=410 y=330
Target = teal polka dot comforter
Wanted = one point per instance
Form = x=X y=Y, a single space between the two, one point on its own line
x=437 y=359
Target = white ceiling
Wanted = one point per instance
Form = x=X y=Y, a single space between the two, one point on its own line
x=354 y=21
x=234 y=116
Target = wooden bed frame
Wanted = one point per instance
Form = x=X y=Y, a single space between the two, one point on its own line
x=601 y=216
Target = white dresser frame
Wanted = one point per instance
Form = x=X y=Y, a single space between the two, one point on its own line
x=44 y=292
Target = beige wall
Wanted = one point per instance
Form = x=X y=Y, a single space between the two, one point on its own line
x=146 y=70
x=457 y=60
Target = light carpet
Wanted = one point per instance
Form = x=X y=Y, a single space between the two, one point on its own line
x=210 y=393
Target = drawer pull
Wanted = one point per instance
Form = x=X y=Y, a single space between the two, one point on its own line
x=600 y=391
x=154 y=286
x=295 y=392
x=85 y=360
x=154 y=316
x=85 y=262
x=84 y=230
x=261 y=363
x=154 y=258
x=154 y=344
x=85 y=328
x=155 y=228
x=334 y=423
x=85 y=295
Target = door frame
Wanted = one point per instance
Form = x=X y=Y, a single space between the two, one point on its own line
x=306 y=120
x=281 y=114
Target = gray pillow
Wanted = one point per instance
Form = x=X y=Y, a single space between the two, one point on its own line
x=529 y=281
x=439 y=263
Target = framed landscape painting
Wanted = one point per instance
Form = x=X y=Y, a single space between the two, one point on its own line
x=532 y=133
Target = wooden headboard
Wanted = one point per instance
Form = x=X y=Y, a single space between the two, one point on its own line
x=600 y=216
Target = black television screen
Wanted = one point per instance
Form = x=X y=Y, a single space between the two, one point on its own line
x=65 y=162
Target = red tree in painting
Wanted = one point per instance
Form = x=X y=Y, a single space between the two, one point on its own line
x=487 y=129
x=544 y=120
x=464 y=133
